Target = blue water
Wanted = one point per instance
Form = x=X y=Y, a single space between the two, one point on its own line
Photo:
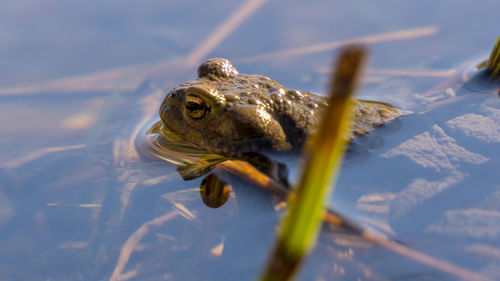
x=71 y=195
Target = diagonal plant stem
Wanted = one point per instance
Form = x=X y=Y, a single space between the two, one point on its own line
x=300 y=226
x=404 y=34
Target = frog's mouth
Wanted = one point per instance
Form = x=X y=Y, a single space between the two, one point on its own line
x=166 y=141
x=176 y=142
x=192 y=162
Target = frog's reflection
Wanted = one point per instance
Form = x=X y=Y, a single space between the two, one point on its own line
x=214 y=190
x=275 y=170
x=193 y=163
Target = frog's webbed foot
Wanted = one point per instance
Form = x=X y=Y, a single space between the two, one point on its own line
x=275 y=170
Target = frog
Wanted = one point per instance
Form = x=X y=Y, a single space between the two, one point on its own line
x=228 y=112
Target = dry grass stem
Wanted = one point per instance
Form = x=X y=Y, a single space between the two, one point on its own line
x=370 y=39
x=133 y=241
x=37 y=154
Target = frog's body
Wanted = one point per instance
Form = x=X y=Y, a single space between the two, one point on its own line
x=228 y=112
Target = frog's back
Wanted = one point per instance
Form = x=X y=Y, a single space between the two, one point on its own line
x=228 y=112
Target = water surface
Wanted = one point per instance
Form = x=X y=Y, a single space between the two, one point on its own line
x=80 y=80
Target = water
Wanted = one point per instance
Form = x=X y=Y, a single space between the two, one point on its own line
x=79 y=80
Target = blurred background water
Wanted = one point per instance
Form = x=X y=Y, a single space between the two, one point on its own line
x=78 y=78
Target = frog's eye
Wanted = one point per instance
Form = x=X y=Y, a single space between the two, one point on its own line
x=196 y=107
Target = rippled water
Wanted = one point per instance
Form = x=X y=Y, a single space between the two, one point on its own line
x=79 y=82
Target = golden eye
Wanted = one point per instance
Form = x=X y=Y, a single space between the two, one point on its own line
x=196 y=107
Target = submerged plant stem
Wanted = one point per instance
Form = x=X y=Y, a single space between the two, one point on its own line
x=300 y=226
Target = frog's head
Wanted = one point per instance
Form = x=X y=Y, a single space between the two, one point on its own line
x=208 y=113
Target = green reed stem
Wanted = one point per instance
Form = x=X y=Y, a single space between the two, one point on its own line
x=494 y=61
x=301 y=224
